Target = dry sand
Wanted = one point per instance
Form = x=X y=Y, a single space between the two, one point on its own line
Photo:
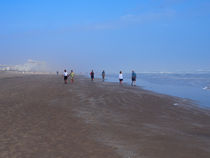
x=40 y=117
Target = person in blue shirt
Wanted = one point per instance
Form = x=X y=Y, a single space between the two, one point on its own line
x=133 y=78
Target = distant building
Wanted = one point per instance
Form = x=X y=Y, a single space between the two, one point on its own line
x=29 y=66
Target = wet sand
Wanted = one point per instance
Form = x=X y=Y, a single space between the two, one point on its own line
x=40 y=117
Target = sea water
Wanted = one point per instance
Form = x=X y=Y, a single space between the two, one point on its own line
x=194 y=86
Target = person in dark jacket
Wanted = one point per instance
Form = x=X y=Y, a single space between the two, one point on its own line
x=103 y=75
x=92 y=75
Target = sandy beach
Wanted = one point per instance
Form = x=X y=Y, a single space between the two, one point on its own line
x=40 y=117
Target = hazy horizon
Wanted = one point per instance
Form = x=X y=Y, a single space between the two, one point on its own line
x=146 y=36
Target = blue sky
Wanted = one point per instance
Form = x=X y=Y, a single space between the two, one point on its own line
x=146 y=35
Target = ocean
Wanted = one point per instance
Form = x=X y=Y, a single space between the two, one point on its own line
x=194 y=86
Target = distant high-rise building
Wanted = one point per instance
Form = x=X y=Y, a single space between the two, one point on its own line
x=29 y=66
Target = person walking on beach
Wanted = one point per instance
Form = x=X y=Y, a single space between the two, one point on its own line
x=92 y=75
x=103 y=75
x=65 y=75
x=121 y=77
x=133 y=78
x=72 y=76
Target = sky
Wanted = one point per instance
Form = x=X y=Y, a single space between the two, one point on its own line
x=114 y=35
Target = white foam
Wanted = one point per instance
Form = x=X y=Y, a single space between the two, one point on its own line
x=206 y=88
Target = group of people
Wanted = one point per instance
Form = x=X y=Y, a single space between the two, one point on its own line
x=66 y=75
x=92 y=75
x=133 y=77
x=71 y=75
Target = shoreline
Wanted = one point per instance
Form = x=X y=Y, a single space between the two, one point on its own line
x=203 y=104
x=178 y=101
x=42 y=117
x=192 y=102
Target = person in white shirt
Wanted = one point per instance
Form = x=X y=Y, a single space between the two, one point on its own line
x=121 y=77
x=65 y=75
